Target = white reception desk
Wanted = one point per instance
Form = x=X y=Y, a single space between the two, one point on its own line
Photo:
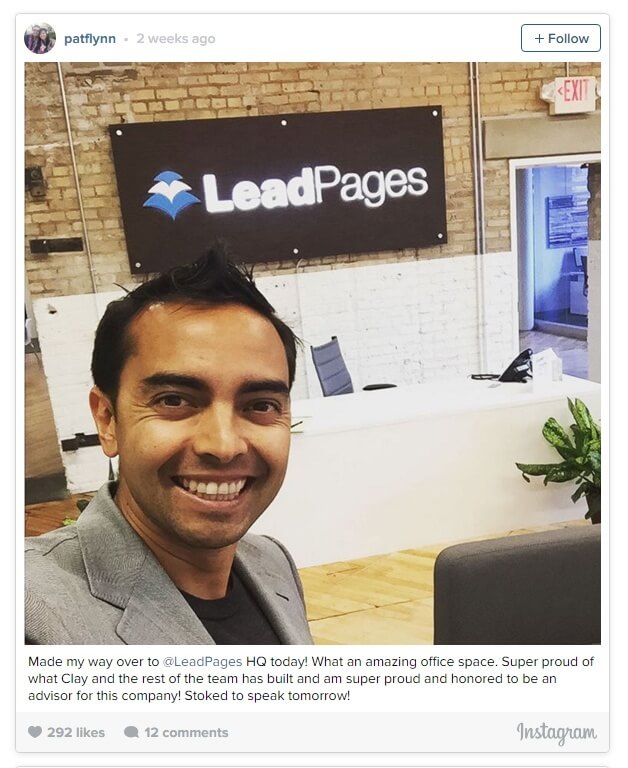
x=375 y=472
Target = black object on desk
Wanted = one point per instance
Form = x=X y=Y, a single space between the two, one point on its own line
x=519 y=371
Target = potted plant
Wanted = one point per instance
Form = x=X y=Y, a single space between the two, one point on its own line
x=581 y=456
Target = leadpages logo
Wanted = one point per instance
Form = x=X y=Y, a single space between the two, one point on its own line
x=170 y=195
x=312 y=185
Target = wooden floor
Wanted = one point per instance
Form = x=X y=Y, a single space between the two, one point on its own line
x=386 y=599
x=380 y=600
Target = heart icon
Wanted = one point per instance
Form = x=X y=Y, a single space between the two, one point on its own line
x=34 y=730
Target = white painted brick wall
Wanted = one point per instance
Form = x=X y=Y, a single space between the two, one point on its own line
x=402 y=323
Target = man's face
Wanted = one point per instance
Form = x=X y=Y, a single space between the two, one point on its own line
x=201 y=423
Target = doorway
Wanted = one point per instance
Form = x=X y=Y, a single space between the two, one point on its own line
x=549 y=217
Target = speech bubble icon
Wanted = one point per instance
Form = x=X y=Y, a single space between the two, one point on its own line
x=132 y=732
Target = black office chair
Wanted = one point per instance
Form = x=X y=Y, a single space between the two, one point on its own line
x=332 y=371
x=534 y=589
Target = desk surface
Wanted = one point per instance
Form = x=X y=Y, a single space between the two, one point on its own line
x=407 y=403
x=396 y=469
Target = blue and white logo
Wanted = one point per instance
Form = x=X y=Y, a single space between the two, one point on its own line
x=170 y=195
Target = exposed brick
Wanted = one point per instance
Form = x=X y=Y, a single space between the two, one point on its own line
x=305 y=85
x=192 y=79
x=171 y=93
x=100 y=94
x=208 y=90
x=233 y=67
x=223 y=79
x=144 y=94
x=231 y=112
x=257 y=77
x=235 y=90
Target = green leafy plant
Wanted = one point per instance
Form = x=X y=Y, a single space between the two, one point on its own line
x=581 y=457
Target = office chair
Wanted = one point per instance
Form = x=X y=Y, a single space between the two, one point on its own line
x=533 y=589
x=332 y=371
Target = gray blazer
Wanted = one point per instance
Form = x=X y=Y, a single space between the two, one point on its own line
x=97 y=583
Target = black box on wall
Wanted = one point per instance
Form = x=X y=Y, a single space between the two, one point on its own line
x=281 y=187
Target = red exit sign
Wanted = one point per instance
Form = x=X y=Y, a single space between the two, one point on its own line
x=573 y=95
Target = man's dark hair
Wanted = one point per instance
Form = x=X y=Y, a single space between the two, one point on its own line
x=211 y=280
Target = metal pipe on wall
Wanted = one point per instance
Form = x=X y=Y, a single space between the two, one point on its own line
x=77 y=182
x=300 y=313
x=525 y=247
x=478 y=201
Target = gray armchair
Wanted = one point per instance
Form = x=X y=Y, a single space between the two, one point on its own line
x=539 y=588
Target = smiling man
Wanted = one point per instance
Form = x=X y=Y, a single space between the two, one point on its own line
x=192 y=374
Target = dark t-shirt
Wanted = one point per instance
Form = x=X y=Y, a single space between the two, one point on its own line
x=235 y=619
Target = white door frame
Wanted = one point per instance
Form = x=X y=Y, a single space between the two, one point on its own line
x=515 y=165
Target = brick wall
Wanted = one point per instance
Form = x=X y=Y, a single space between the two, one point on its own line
x=101 y=94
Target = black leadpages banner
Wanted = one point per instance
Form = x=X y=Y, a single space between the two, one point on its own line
x=281 y=187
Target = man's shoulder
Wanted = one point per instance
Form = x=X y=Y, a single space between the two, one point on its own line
x=53 y=558
x=48 y=543
x=60 y=605
x=100 y=522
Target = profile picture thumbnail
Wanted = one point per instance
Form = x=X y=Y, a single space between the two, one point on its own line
x=40 y=38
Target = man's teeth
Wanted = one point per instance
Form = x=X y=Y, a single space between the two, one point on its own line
x=215 y=491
